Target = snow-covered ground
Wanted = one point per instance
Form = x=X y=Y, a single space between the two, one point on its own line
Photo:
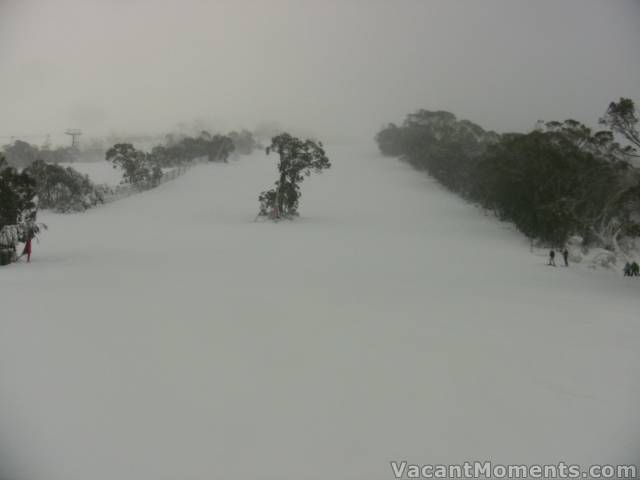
x=168 y=336
x=99 y=172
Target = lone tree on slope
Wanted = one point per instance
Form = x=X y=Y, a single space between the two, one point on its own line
x=297 y=159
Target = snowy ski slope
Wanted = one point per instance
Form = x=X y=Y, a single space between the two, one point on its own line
x=99 y=172
x=168 y=336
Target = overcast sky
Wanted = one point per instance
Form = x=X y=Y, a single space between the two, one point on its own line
x=327 y=66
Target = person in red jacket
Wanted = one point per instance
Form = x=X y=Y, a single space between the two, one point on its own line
x=27 y=248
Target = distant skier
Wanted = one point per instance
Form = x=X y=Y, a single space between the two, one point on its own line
x=565 y=256
x=627 y=269
x=635 y=269
x=552 y=258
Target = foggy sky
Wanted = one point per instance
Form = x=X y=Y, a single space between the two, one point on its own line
x=328 y=66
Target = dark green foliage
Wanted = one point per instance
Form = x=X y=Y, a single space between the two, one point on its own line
x=297 y=159
x=559 y=180
x=390 y=140
x=438 y=143
x=17 y=192
x=63 y=189
x=138 y=167
x=529 y=180
x=144 y=170
x=622 y=118
x=176 y=152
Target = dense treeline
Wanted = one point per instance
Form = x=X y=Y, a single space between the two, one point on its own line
x=29 y=175
x=63 y=189
x=42 y=185
x=175 y=151
x=144 y=169
x=178 y=151
x=561 y=179
x=21 y=154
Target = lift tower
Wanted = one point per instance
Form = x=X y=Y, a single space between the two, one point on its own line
x=74 y=133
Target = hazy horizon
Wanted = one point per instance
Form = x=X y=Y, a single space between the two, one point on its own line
x=338 y=70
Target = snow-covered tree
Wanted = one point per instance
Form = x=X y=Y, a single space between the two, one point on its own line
x=138 y=167
x=17 y=195
x=297 y=159
x=63 y=189
x=622 y=118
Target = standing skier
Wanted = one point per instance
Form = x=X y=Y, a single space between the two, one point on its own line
x=27 y=247
x=565 y=256
x=552 y=258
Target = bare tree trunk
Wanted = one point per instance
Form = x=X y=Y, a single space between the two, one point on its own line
x=279 y=195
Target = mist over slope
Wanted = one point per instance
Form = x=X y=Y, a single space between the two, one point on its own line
x=168 y=335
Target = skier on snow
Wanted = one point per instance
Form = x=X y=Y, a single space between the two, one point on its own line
x=27 y=247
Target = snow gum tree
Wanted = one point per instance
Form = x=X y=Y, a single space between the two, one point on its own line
x=63 y=189
x=139 y=169
x=297 y=159
x=622 y=118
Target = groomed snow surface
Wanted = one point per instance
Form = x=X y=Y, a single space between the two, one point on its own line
x=99 y=172
x=168 y=336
